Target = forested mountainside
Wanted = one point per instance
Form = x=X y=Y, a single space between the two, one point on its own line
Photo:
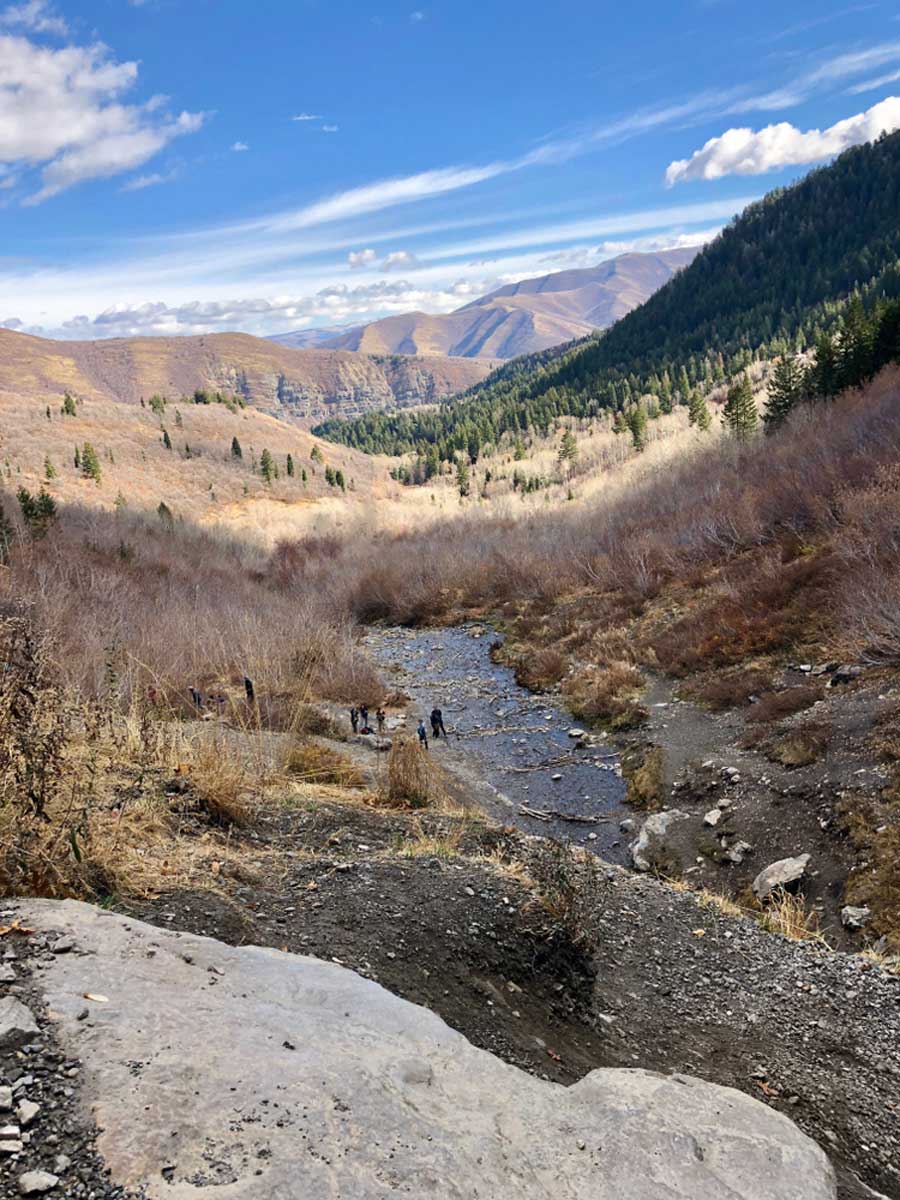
x=777 y=279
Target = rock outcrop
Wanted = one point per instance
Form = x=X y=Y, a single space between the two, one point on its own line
x=274 y=1076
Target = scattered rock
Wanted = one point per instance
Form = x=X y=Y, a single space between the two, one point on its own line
x=855 y=918
x=17 y=1024
x=738 y=852
x=35 y=1183
x=27 y=1111
x=844 y=674
x=782 y=874
x=713 y=817
x=649 y=848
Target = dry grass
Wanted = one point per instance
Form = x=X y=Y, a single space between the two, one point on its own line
x=787 y=915
x=607 y=695
x=413 y=779
x=644 y=778
x=447 y=843
x=731 y=689
x=313 y=763
x=219 y=783
x=776 y=705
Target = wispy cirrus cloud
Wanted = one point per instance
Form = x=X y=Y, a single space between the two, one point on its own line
x=34 y=16
x=749 y=152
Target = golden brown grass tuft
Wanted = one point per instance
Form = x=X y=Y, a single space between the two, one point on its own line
x=313 y=763
x=413 y=779
x=787 y=915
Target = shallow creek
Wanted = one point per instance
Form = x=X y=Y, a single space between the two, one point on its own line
x=513 y=746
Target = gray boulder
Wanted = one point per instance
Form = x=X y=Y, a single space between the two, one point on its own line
x=276 y=1076
x=785 y=873
x=649 y=850
x=17 y=1024
x=853 y=917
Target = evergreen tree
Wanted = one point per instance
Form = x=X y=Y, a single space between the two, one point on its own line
x=236 y=451
x=740 y=413
x=49 y=469
x=289 y=467
x=49 y=416
x=698 y=411
x=785 y=390
x=267 y=466
x=316 y=455
x=77 y=459
x=178 y=421
x=166 y=440
x=339 y=480
x=165 y=514
x=518 y=448
x=463 y=477
x=38 y=512
x=329 y=476
x=636 y=421
x=68 y=405
x=620 y=425
x=303 y=474
x=568 y=449
x=90 y=463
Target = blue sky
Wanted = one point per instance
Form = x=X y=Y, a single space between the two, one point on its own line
x=184 y=166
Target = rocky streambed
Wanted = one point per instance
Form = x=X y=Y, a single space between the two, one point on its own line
x=522 y=753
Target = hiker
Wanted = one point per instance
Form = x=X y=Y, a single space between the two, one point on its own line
x=197 y=698
x=380 y=717
x=423 y=735
x=248 y=688
x=364 y=715
x=354 y=719
x=437 y=724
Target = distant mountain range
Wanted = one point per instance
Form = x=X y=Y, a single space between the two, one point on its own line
x=301 y=384
x=519 y=318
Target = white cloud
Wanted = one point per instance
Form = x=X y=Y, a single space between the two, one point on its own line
x=144 y=181
x=305 y=116
x=35 y=16
x=239 y=147
x=399 y=260
x=330 y=128
x=745 y=152
x=417 y=16
x=358 y=259
x=61 y=112
x=869 y=85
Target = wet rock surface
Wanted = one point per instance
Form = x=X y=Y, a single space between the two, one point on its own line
x=330 y=1085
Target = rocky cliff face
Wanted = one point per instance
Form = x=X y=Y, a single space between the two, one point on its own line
x=308 y=385
x=269 y=1075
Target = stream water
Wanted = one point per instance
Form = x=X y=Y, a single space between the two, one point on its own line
x=515 y=746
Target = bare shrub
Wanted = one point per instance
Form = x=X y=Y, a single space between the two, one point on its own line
x=776 y=705
x=219 y=783
x=801 y=746
x=731 y=689
x=541 y=670
x=413 y=780
x=609 y=695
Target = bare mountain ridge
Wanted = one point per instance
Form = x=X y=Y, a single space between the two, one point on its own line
x=300 y=384
x=518 y=318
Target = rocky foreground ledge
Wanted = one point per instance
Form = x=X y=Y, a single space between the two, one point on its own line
x=274 y=1076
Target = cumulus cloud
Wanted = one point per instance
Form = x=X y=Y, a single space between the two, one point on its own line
x=358 y=259
x=61 y=112
x=305 y=116
x=399 y=260
x=36 y=16
x=330 y=128
x=239 y=147
x=746 y=152
x=330 y=305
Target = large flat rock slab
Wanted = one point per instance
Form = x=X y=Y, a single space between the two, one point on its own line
x=278 y=1077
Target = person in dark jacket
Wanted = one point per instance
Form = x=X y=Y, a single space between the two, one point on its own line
x=354 y=719
x=437 y=724
x=380 y=717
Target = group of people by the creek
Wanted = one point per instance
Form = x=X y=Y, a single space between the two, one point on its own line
x=359 y=719
x=359 y=723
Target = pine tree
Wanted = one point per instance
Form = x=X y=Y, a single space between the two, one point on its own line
x=339 y=480
x=329 y=476
x=463 y=477
x=303 y=475
x=637 y=424
x=178 y=421
x=236 y=451
x=289 y=467
x=77 y=459
x=698 y=411
x=316 y=455
x=620 y=425
x=432 y=462
x=267 y=466
x=90 y=463
x=49 y=415
x=166 y=440
x=568 y=449
x=784 y=392
x=518 y=448
x=6 y=537
x=49 y=469
x=68 y=405
x=740 y=413
x=165 y=514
